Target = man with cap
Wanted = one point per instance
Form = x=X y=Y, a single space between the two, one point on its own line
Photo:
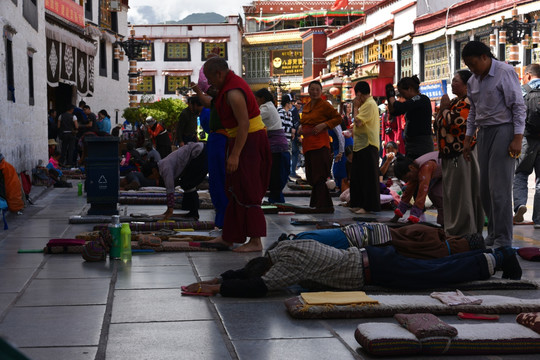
x=160 y=137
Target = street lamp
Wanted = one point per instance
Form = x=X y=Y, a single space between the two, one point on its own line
x=134 y=49
x=279 y=86
x=514 y=32
x=347 y=67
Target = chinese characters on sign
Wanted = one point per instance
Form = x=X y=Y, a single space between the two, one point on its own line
x=287 y=62
x=67 y=9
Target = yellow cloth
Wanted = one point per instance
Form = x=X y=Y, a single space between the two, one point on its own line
x=255 y=124
x=368 y=133
x=337 y=298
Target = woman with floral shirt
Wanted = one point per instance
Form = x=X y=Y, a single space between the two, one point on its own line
x=463 y=212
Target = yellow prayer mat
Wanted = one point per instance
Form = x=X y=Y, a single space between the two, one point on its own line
x=337 y=298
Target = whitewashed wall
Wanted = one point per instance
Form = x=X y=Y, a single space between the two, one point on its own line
x=23 y=128
x=194 y=32
x=110 y=94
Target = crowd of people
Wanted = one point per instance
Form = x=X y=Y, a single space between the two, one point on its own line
x=462 y=155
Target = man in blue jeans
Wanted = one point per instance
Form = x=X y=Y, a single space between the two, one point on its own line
x=309 y=263
x=530 y=149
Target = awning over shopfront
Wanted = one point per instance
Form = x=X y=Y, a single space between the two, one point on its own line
x=70 y=60
x=298 y=16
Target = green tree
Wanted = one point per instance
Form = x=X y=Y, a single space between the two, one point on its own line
x=165 y=111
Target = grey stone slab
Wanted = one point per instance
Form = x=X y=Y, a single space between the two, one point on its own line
x=345 y=328
x=47 y=292
x=12 y=244
x=73 y=266
x=266 y=320
x=298 y=349
x=61 y=353
x=167 y=340
x=52 y=326
x=160 y=259
x=157 y=277
x=40 y=228
x=13 y=280
x=12 y=260
x=214 y=265
x=5 y=300
x=141 y=306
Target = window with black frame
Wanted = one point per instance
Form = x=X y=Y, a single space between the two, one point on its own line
x=210 y=47
x=147 y=85
x=177 y=52
x=175 y=82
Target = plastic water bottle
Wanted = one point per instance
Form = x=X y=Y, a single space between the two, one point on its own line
x=79 y=189
x=125 y=234
x=115 y=228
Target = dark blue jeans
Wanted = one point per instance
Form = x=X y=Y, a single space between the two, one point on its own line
x=217 y=145
x=390 y=269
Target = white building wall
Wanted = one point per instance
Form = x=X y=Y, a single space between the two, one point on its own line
x=194 y=32
x=110 y=94
x=23 y=127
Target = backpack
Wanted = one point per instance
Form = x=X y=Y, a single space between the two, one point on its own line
x=532 y=100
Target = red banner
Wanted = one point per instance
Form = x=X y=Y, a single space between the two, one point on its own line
x=67 y=9
x=340 y=4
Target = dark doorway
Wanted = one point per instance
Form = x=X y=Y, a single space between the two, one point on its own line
x=60 y=97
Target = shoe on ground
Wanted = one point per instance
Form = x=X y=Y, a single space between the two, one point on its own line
x=510 y=264
x=518 y=216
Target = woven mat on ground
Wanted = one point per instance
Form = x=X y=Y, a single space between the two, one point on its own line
x=98 y=219
x=140 y=226
x=73 y=174
x=313 y=220
x=390 y=339
x=298 y=209
x=134 y=200
x=524 y=223
x=294 y=186
x=408 y=304
x=134 y=193
x=166 y=246
x=493 y=283
x=172 y=246
x=302 y=193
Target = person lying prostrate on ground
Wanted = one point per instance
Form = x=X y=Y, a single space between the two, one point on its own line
x=416 y=240
x=314 y=265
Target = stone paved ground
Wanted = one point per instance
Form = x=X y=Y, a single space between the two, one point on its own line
x=59 y=307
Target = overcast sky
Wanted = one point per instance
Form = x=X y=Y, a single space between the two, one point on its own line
x=153 y=12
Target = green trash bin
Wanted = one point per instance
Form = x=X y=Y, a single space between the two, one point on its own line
x=102 y=175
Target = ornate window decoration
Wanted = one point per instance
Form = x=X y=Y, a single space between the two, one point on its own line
x=147 y=85
x=208 y=47
x=177 y=52
x=173 y=82
x=435 y=61
x=405 y=64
